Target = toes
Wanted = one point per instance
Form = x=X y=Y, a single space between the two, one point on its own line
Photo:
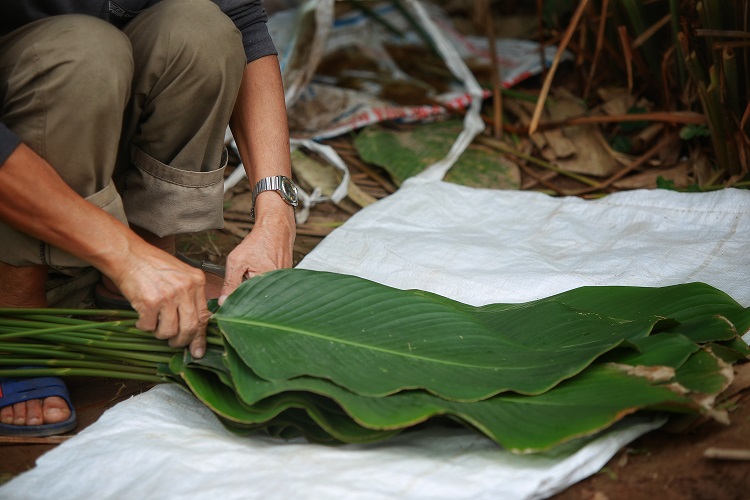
x=19 y=414
x=55 y=410
x=6 y=415
x=51 y=410
x=34 y=414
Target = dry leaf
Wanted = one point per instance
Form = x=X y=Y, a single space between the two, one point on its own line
x=314 y=174
x=592 y=151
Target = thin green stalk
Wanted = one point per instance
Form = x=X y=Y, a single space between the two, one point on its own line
x=696 y=69
x=112 y=341
x=57 y=363
x=23 y=311
x=109 y=337
x=712 y=103
x=128 y=356
x=130 y=346
x=124 y=327
x=731 y=80
x=674 y=10
x=47 y=351
x=43 y=328
x=712 y=11
x=634 y=11
x=708 y=23
x=72 y=321
x=80 y=372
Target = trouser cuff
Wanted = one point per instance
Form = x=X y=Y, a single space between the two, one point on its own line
x=167 y=201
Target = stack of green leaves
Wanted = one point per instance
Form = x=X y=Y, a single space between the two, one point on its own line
x=340 y=359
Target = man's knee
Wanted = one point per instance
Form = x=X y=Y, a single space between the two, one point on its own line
x=94 y=57
x=196 y=34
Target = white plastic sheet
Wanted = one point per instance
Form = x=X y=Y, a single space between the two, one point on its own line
x=477 y=246
x=514 y=246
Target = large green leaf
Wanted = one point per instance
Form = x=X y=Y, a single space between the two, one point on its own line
x=704 y=373
x=593 y=400
x=375 y=340
x=224 y=402
x=680 y=302
x=664 y=349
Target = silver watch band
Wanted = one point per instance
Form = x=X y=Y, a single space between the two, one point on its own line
x=272 y=183
x=281 y=184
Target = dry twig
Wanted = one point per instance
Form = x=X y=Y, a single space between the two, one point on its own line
x=555 y=63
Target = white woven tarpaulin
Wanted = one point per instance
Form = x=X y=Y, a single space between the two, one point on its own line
x=476 y=246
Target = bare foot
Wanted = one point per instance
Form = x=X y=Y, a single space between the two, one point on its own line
x=50 y=410
x=25 y=287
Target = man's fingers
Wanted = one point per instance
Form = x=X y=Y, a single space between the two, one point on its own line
x=188 y=323
x=198 y=345
x=198 y=342
x=148 y=318
x=194 y=317
x=232 y=280
x=168 y=326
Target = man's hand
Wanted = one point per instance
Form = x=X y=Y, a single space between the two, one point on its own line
x=168 y=294
x=169 y=297
x=269 y=245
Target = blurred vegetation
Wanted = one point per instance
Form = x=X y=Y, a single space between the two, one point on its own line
x=682 y=55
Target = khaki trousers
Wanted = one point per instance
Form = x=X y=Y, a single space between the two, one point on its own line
x=133 y=119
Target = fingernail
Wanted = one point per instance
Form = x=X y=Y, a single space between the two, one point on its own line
x=222 y=299
x=198 y=353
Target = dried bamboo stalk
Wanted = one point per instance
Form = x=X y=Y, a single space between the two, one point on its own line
x=536 y=116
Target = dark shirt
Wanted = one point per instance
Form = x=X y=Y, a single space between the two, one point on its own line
x=248 y=15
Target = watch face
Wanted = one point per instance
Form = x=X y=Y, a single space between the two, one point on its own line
x=289 y=191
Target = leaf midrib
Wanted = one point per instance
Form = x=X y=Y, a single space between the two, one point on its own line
x=395 y=353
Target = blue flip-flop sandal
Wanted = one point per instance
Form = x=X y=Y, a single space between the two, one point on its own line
x=17 y=390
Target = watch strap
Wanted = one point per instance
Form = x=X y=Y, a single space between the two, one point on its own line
x=271 y=183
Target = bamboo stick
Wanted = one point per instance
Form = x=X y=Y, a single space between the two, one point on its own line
x=650 y=31
x=674 y=13
x=622 y=31
x=555 y=63
x=731 y=80
x=497 y=95
x=597 y=47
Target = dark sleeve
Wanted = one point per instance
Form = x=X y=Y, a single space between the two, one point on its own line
x=250 y=18
x=8 y=143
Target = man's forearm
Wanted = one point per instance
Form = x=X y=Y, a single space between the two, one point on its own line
x=35 y=200
x=260 y=128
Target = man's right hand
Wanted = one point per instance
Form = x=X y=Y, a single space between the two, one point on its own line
x=168 y=295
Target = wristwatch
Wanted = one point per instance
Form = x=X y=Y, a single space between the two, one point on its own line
x=279 y=183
